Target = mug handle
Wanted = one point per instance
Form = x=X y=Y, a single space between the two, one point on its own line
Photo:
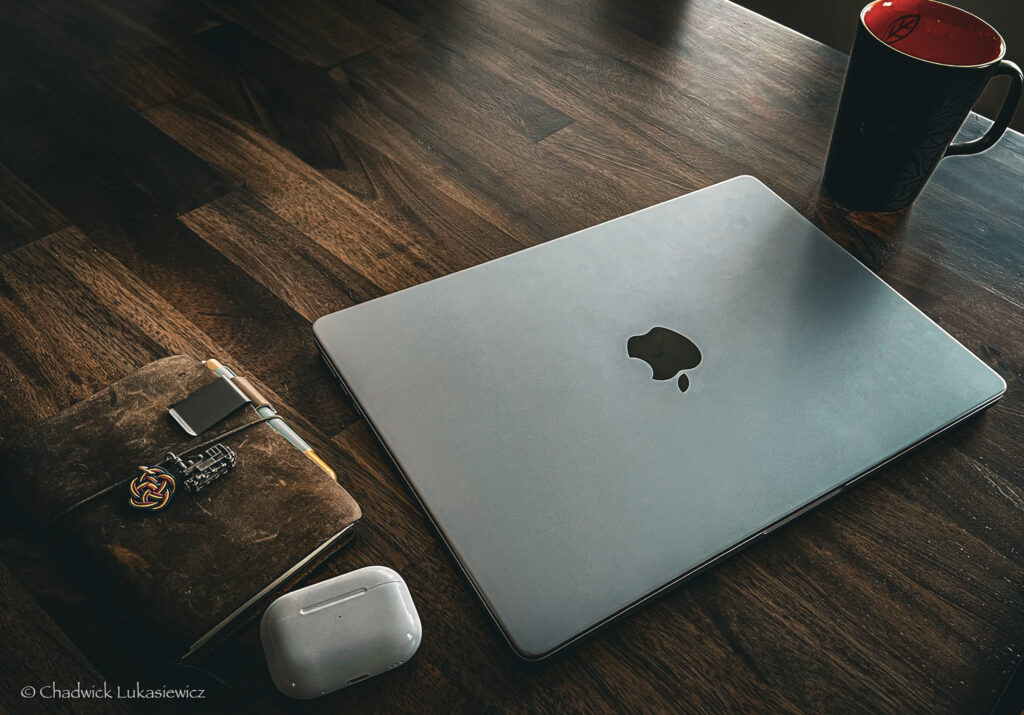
x=1005 y=114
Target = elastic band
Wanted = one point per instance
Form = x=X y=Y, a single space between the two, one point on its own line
x=121 y=483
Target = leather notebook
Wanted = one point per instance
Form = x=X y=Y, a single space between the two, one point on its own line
x=191 y=573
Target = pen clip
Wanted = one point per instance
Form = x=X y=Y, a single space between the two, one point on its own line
x=258 y=400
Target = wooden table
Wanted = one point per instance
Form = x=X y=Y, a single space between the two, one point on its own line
x=208 y=177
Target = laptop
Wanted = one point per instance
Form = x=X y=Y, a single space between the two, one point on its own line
x=598 y=418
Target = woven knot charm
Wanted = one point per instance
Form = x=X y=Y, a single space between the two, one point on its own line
x=151 y=490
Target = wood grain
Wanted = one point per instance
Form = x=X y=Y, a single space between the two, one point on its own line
x=210 y=176
x=36 y=653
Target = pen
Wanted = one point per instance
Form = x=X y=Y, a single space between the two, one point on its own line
x=1011 y=700
x=264 y=410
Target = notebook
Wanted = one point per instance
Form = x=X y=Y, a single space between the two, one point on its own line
x=190 y=574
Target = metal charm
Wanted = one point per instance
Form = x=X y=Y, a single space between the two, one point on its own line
x=204 y=468
x=153 y=488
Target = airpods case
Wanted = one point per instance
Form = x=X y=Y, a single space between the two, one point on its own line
x=338 y=632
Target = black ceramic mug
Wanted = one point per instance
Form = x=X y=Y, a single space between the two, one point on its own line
x=916 y=69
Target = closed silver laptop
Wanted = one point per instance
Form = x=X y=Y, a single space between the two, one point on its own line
x=594 y=419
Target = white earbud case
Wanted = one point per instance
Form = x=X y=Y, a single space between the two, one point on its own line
x=339 y=632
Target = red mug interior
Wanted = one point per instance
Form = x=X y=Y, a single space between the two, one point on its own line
x=933 y=32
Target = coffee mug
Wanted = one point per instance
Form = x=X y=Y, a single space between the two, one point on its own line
x=916 y=69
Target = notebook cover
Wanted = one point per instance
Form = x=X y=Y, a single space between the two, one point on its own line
x=189 y=574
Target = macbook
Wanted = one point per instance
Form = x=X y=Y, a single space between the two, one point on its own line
x=595 y=419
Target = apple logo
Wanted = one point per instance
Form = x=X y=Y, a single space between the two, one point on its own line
x=667 y=352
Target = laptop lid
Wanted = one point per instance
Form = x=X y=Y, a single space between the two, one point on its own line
x=517 y=398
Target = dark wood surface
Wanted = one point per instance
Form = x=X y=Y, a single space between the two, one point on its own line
x=209 y=176
x=35 y=653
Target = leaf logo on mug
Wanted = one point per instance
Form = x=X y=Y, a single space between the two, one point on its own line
x=901 y=27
